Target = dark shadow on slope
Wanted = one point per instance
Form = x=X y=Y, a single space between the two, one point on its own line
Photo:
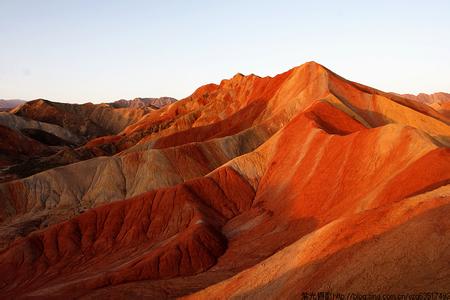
x=45 y=137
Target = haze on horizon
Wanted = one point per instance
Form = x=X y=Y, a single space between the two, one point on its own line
x=78 y=51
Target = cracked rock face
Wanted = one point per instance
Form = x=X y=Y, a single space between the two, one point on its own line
x=254 y=187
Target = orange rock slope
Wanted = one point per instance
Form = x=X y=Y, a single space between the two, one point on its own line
x=256 y=187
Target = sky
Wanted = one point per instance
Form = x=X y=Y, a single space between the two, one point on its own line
x=80 y=51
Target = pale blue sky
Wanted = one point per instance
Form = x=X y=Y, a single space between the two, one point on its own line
x=78 y=51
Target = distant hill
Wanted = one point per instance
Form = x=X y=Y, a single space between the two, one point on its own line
x=144 y=102
x=87 y=120
x=439 y=101
x=429 y=98
x=9 y=104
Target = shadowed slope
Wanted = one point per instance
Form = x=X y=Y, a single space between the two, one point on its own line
x=18 y=123
x=16 y=146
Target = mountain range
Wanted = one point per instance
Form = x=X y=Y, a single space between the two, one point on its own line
x=256 y=187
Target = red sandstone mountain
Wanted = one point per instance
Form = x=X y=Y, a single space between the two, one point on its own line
x=256 y=187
